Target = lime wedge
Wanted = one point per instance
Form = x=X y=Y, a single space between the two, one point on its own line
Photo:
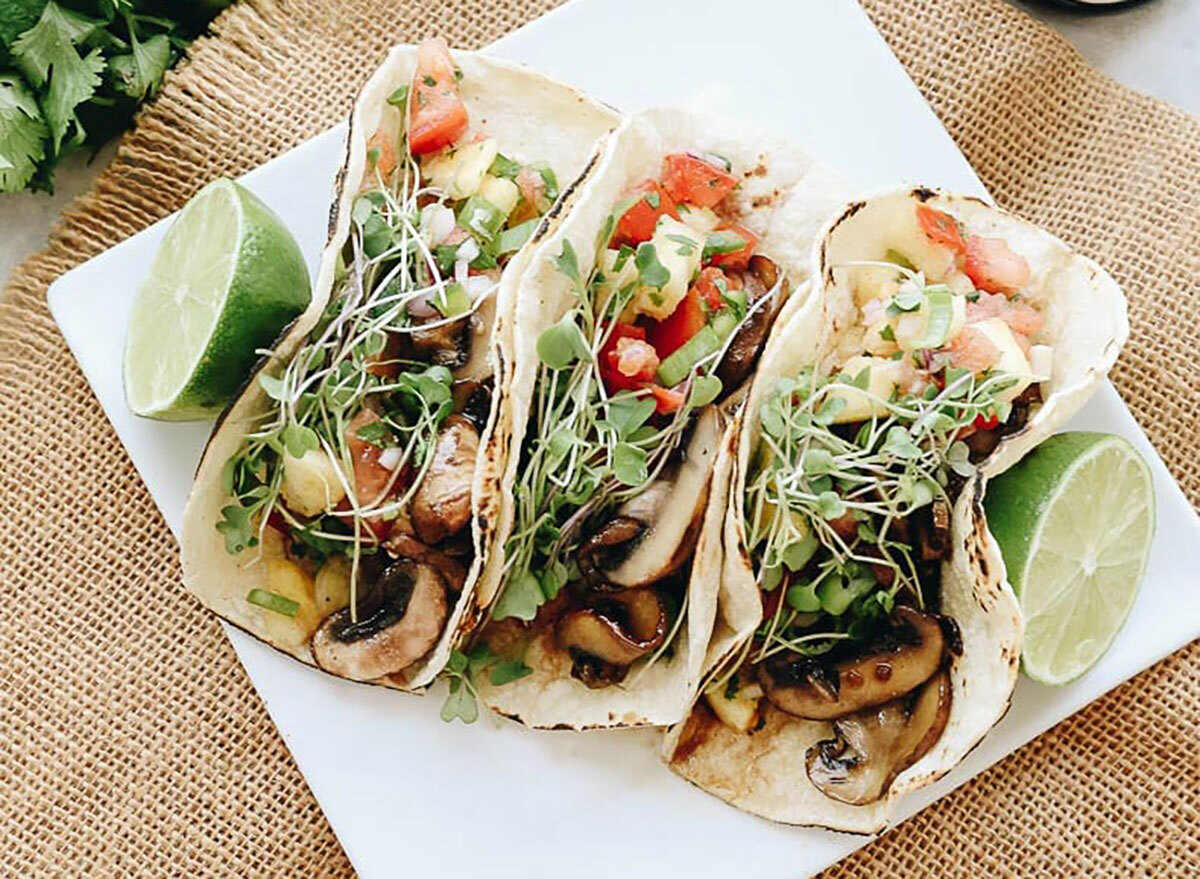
x=1074 y=521
x=226 y=279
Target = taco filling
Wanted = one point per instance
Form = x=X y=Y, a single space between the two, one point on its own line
x=849 y=495
x=356 y=485
x=624 y=424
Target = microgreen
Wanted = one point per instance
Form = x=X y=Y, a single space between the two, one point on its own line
x=807 y=479
x=651 y=272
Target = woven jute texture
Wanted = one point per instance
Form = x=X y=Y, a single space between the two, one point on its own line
x=131 y=741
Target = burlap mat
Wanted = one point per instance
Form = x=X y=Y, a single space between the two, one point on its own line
x=131 y=742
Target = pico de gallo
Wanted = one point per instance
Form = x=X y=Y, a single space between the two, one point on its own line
x=848 y=500
x=625 y=423
x=355 y=485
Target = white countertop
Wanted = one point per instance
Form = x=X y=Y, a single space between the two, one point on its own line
x=1154 y=48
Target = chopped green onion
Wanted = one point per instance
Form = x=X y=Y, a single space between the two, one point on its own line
x=682 y=360
x=273 y=602
x=452 y=301
x=512 y=240
x=480 y=216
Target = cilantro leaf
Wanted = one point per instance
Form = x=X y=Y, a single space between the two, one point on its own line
x=16 y=17
x=139 y=73
x=46 y=53
x=22 y=132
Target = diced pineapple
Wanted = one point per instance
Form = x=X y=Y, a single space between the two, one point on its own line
x=1011 y=361
x=678 y=247
x=273 y=542
x=740 y=712
x=861 y=405
x=332 y=587
x=874 y=340
x=310 y=483
x=614 y=279
x=471 y=162
x=288 y=580
x=459 y=173
x=501 y=192
x=875 y=282
x=703 y=220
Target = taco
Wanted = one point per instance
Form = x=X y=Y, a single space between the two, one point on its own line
x=637 y=323
x=334 y=513
x=879 y=639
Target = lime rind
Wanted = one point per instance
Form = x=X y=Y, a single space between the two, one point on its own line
x=1074 y=521
x=226 y=279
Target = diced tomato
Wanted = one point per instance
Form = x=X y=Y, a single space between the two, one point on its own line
x=370 y=477
x=993 y=266
x=649 y=202
x=690 y=178
x=436 y=115
x=386 y=157
x=940 y=228
x=772 y=599
x=666 y=400
x=982 y=423
x=276 y=521
x=973 y=350
x=1021 y=317
x=614 y=379
x=708 y=284
x=636 y=359
x=738 y=259
x=688 y=318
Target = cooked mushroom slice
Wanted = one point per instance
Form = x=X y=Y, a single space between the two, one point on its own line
x=442 y=503
x=406 y=546
x=671 y=511
x=933 y=532
x=398 y=622
x=760 y=279
x=906 y=656
x=443 y=344
x=872 y=747
x=617 y=628
x=610 y=545
x=476 y=365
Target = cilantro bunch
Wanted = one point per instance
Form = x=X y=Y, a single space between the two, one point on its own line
x=72 y=73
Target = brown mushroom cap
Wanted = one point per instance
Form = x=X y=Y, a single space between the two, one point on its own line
x=759 y=280
x=618 y=628
x=910 y=653
x=398 y=622
x=872 y=747
x=441 y=506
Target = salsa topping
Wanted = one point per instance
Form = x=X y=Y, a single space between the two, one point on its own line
x=356 y=483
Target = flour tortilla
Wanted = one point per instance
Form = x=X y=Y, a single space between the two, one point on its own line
x=1086 y=322
x=534 y=119
x=784 y=195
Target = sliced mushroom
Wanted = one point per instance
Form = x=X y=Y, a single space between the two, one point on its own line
x=444 y=344
x=477 y=365
x=607 y=547
x=905 y=657
x=617 y=628
x=872 y=747
x=406 y=546
x=759 y=280
x=933 y=532
x=670 y=512
x=473 y=400
x=398 y=622
x=441 y=506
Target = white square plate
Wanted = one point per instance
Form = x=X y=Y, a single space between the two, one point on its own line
x=408 y=793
